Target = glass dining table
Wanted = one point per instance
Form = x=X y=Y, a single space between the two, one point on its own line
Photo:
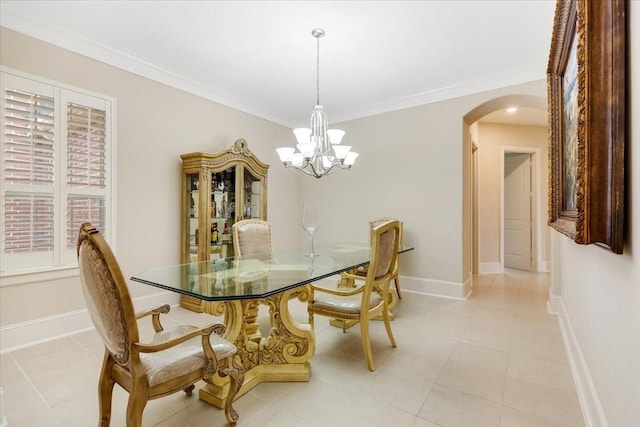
x=236 y=287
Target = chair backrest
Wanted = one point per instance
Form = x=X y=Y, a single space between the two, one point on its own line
x=251 y=237
x=106 y=294
x=377 y=221
x=385 y=243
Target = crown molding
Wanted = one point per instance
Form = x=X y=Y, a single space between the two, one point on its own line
x=48 y=33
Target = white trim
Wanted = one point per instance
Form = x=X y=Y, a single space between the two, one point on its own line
x=25 y=334
x=592 y=410
x=433 y=287
x=544 y=266
x=49 y=274
x=537 y=221
x=490 y=268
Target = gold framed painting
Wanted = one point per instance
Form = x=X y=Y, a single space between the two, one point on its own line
x=586 y=95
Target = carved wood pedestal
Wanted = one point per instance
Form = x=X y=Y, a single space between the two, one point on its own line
x=283 y=355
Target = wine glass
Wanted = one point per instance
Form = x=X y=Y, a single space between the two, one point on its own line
x=310 y=221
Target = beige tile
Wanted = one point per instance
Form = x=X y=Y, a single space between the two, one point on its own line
x=514 y=418
x=449 y=407
x=315 y=401
x=74 y=377
x=19 y=396
x=363 y=411
x=496 y=340
x=406 y=393
x=350 y=373
x=91 y=341
x=43 y=349
x=172 y=422
x=271 y=416
x=39 y=415
x=421 y=422
x=545 y=402
x=540 y=371
x=475 y=381
x=13 y=376
x=272 y=391
x=73 y=355
x=480 y=357
x=6 y=361
x=540 y=344
x=204 y=415
x=409 y=363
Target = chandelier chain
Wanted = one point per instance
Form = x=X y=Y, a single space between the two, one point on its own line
x=317 y=70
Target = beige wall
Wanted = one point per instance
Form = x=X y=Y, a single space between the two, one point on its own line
x=493 y=141
x=411 y=167
x=599 y=292
x=155 y=124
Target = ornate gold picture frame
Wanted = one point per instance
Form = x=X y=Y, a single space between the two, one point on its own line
x=586 y=95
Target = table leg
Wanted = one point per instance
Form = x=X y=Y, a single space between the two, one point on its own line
x=282 y=355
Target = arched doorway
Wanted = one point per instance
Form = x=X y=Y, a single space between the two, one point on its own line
x=474 y=207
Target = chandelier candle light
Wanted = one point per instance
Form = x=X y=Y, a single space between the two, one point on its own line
x=320 y=152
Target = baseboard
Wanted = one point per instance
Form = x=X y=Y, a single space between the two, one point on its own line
x=25 y=334
x=439 y=288
x=545 y=266
x=592 y=410
x=490 y=268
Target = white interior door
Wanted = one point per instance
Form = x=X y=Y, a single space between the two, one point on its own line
x=517 y=211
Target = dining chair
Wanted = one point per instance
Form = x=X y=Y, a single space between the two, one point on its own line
x=362 y=270
x=252 y=236
x=172 y=360
x=368 y=300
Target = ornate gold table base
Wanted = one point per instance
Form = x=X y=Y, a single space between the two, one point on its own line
x=283 y=355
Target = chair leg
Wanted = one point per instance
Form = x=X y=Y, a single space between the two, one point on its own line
x=105 y=390
x=366 y=343
x=311 y=319
x=235 y=372
x=189 y=390
x=135 y=405
x=397 y=282
x=387 y=325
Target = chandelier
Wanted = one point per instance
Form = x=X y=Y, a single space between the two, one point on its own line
x=319 y=150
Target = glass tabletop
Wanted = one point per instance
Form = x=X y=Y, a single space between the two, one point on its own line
x=257 y=276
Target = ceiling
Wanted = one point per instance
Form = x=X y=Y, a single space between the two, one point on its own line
x=260 y=57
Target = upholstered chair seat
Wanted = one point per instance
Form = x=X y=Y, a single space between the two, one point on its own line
x=351 y=304
x=183 y=358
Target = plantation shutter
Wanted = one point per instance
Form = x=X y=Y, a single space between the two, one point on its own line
x=28 y=157
x=55 y=170
x=86 y=168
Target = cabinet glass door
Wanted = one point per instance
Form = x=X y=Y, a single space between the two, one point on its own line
x=193 y=192
x=223 y=202
x=252 y=204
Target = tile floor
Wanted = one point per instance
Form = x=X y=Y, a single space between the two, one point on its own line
x=496 y=359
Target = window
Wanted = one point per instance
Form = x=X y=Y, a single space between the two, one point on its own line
x=55 y=172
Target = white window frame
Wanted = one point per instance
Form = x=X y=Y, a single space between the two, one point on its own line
x=63 y=259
